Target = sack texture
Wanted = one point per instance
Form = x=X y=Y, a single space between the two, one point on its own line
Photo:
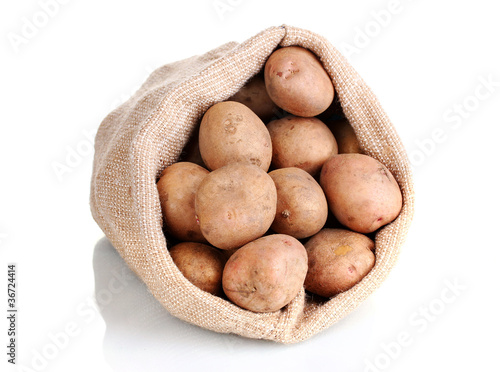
x=147 y=133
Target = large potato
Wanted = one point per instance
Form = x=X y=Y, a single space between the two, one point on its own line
x=230 y=132
x=338 y=259
x=254 y=95
x=302 y=208
x=361 y=192
x=297 y=82
x=201 y=264
x=177 y=187
x=266 y=274
x=235 y=204
x=304 y=143
x=347 y=141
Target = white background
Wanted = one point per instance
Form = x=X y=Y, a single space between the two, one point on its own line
x=435 y=66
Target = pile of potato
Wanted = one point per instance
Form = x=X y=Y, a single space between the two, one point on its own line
x=273 y=193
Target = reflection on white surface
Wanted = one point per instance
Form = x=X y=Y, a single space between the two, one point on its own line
x=142 y=335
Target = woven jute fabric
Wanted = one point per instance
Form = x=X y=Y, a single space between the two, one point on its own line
x=136 y=141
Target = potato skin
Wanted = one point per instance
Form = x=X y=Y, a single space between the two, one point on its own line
x=265 y=274
x=337 y=260
x=297 y=82
x=235 y=204
x=347 y=141
x=361 y=192
x=254 y=95
x=177 y=188
x=304 y=143
x=201 y=264
x=230 y=132
x=302 y=208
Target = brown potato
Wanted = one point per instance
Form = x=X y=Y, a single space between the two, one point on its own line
x=266 y=274
x=361 y=192
x=177 y=187
x=347 y=141
x=254 y=95
x=230 y=132
x=302 y=208
x=201 y=264
x=297 y=82
x=304 y=143
x=235 y=204
x=338 y=259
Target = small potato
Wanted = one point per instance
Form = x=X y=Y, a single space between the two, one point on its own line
x=302 y=208
x=338 y=259
x=201 y=264
x=254 y=95
x=304 y=143
x=266 y=274
x=235 y=204
x=177 y=187
x=347 y=141
x=230 y=132
x=361 y=192
x=297 y=82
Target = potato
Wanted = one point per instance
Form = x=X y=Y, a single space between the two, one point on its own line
x=201 y=264
x=361 y=192
x=337 y=260
x=297 y=82
x=177 y=188
x=266 y=274
x=347 y=141
x=235 y=204
x=302 y=208
x=304 y=143
x=230 y=132
x=254 y=96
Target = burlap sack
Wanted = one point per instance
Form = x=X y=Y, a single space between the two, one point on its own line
x=140 y=138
